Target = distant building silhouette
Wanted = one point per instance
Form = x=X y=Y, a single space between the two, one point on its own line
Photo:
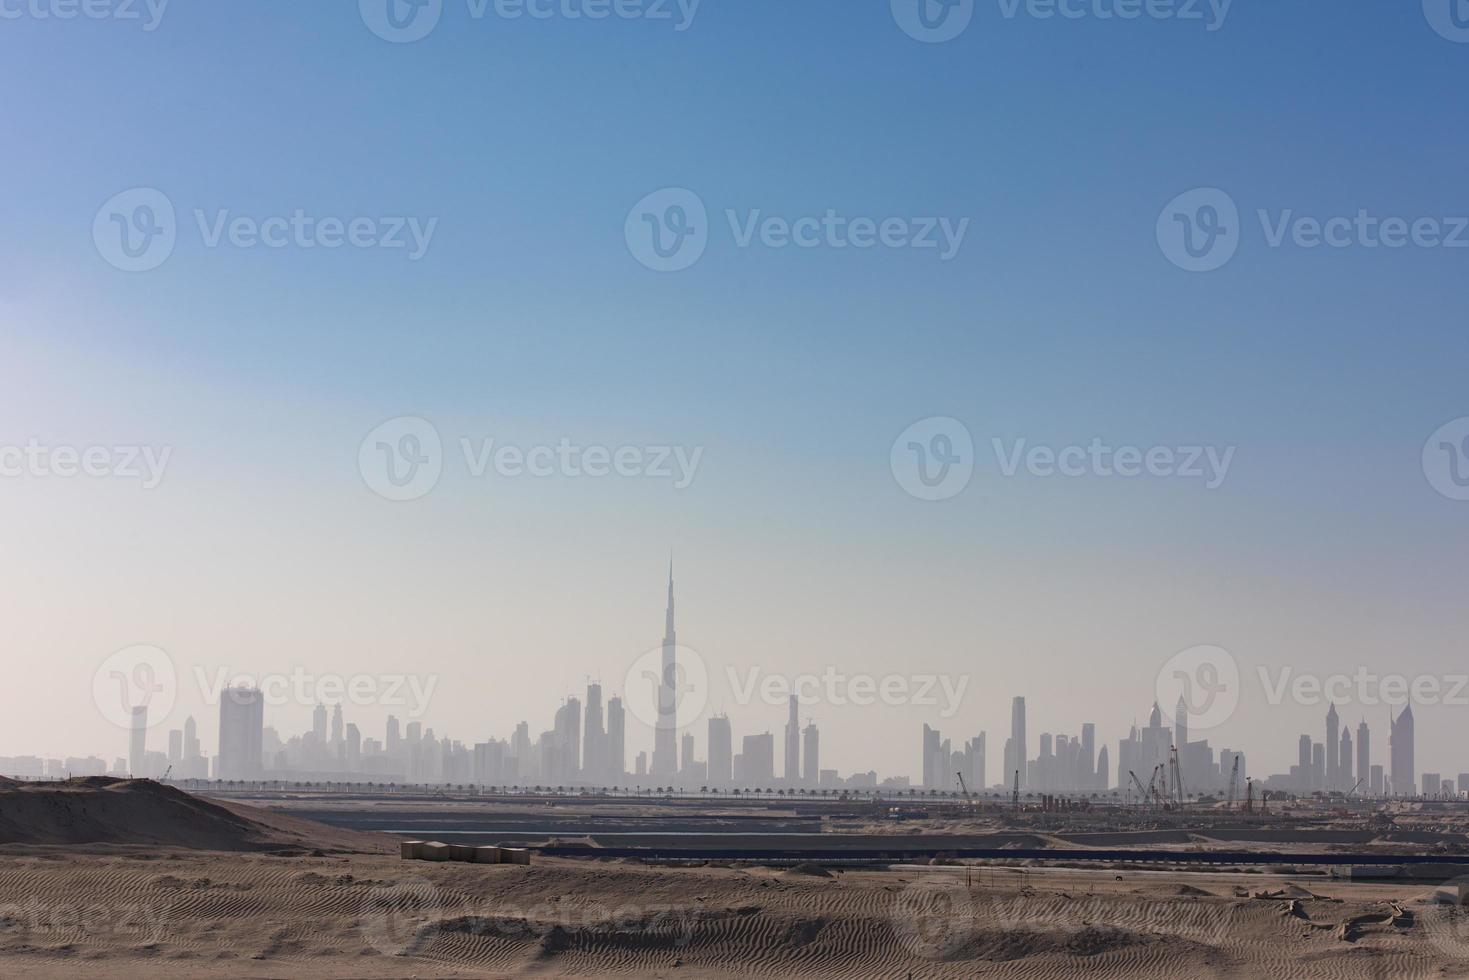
x=1400 y=747
x=665 y=736
x=241 y=728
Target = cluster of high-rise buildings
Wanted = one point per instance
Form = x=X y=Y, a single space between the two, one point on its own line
x=1342 y=764
x=586 y=746
x=1161 y=755
x=1074 y=763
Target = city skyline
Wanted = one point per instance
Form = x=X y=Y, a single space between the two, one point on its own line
x=582 y=749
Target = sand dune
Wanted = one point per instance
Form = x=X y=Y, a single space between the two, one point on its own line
x=119 y=879
x=133 y=812
x=268 y=915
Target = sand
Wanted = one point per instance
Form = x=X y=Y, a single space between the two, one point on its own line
x=268 y=895
x=104 y=811
x=209 y=914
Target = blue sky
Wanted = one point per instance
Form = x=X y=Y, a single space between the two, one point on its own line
x=528 y=318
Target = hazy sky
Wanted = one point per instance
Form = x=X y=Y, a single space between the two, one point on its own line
x=528 y=319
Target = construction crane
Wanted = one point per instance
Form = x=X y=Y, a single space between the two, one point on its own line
x=1143 y=796
x=1154 y=793
x=1015 y=794
x=1233 y=784
x=1353 y=790
x=963 y=786
x=1177 y=772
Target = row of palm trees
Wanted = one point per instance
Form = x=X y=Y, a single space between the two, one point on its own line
x=478 y=789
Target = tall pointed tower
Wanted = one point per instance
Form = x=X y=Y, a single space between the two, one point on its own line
x=665 y=737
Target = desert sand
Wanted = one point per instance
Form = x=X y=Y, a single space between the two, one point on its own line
x=275 y=896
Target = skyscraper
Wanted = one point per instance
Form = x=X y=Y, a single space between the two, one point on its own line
x=568 y=740
x=393 y=735
x=138 y=742
x=616 y=754
x=594 y=739
x=793 y=742
x=721 y=752
x=1344 y=762
x=811 y=745
x=318 y=723
x=1364 y=755
x=1180 y=724
x=191 y=738
x=665 y=737
x=241 y=729
x=1333 y=748
x=1400 y=748
x=1017 y=737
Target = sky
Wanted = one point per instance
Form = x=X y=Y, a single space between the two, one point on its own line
x=1082 y=157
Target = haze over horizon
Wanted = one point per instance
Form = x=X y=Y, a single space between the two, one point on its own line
x=786 y=376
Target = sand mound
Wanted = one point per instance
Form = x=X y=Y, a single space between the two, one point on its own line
x=807 y=870
x=1189 y=891
x=104 y=811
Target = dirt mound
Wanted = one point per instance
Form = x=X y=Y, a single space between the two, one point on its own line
x=104 y=811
